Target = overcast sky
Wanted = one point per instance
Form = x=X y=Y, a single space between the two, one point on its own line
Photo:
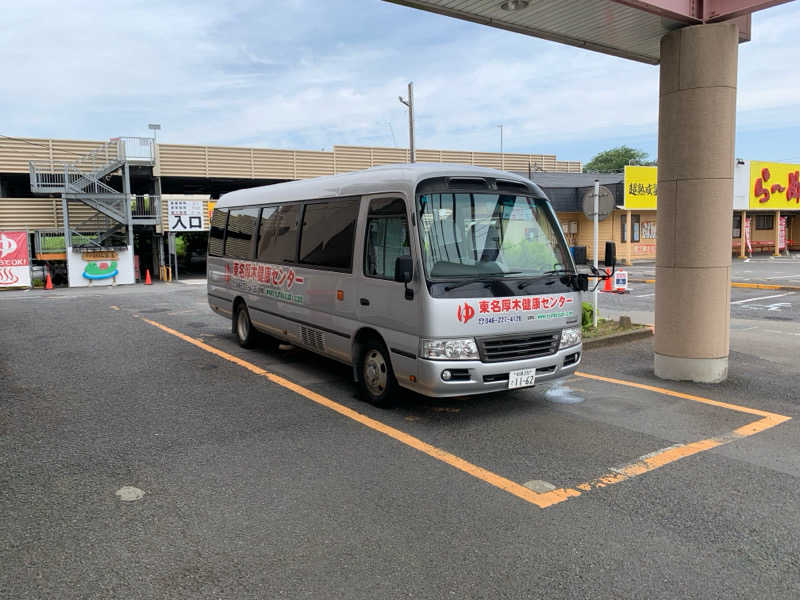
x=308 y=75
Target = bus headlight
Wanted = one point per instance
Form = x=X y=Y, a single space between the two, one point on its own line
x=458 y=349
x=571 y=336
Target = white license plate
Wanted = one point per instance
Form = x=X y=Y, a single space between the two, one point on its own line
x=521 y=378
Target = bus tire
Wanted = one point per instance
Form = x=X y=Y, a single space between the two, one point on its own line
x=376 y=380
x=246 y=334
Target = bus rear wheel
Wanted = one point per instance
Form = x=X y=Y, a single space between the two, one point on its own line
x=376 y=379
x=246 y=334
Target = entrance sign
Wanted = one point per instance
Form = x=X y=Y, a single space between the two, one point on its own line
x=185 y=215
x=15 y=259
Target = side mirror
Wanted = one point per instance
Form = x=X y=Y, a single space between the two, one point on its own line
x=611 y=255
x=582 y=282
x=403 y=269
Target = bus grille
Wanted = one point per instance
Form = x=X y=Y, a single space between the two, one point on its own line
x=518 y=347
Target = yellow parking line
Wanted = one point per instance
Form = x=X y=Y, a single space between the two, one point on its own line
x=643 y=465
x=668 y=392
x=658 y=459
x=740 y=284
x=409 y=440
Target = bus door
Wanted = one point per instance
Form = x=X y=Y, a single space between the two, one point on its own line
x=382 y=300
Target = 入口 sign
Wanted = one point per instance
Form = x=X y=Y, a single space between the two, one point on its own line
x=185 y=215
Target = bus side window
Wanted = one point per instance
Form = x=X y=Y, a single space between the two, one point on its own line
x=328 y=233
x=242 y=223
x=216 y=237
x=386 y=238
x=277 y=238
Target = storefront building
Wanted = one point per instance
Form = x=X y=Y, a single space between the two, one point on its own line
x=766 y=208
x=631 y=224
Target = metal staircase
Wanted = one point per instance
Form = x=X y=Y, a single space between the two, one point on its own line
x=88 y=180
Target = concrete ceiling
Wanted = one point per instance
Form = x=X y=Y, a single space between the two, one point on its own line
x=628 y=28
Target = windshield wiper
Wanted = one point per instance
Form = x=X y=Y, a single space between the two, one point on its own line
x=524 y=284
x=478 y=279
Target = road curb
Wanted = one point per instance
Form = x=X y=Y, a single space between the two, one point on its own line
x=742 y=284
x=765 y=286
x=618 y=338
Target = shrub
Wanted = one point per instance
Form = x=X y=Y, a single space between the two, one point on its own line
x=587 y=315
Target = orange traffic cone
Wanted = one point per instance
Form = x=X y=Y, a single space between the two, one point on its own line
x=48 y=285
x=147 y=278
x=607 y=286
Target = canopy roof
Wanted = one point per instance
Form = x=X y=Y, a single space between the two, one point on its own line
x=628 y=28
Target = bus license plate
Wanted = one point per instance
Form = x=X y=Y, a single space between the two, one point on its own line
x=521 y=378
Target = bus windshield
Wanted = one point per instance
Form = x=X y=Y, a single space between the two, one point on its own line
x=470 y=235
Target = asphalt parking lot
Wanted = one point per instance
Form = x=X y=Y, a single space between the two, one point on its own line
x=264 y=475
x=761 y=268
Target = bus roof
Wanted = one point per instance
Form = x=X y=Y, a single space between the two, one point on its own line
x=384 y=179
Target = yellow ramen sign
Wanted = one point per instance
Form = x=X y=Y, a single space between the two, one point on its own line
x=774 y=185
x=641 y=188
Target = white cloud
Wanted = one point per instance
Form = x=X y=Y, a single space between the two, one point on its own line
x=311 y=76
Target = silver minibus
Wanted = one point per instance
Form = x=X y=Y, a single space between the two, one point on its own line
x=443 y=279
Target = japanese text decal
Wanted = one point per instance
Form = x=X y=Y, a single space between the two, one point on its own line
x=277 y=282
x=506 y=310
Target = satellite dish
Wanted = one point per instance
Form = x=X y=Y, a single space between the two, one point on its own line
x=605 y=203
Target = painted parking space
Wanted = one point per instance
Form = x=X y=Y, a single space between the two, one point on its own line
x=266 y=481
x=746 y=303
x=542 y=496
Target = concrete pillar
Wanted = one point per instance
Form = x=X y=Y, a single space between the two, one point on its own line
x=696 y=126
x=742 y=236
x=777 y=231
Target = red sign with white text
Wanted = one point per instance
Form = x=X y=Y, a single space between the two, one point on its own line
x=15 y=264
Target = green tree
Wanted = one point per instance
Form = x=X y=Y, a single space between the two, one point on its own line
x=614 y=160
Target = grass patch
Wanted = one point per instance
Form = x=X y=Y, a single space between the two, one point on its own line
x=608 y=327
x=56 y=242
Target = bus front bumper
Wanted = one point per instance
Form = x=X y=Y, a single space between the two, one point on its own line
x=476 y=377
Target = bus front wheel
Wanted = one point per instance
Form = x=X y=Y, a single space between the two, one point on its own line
x=376 y=381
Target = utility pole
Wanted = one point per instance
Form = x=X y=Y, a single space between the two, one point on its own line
x=501 y=139
x=596 y=251
x=410 y=104
x=502 y=162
